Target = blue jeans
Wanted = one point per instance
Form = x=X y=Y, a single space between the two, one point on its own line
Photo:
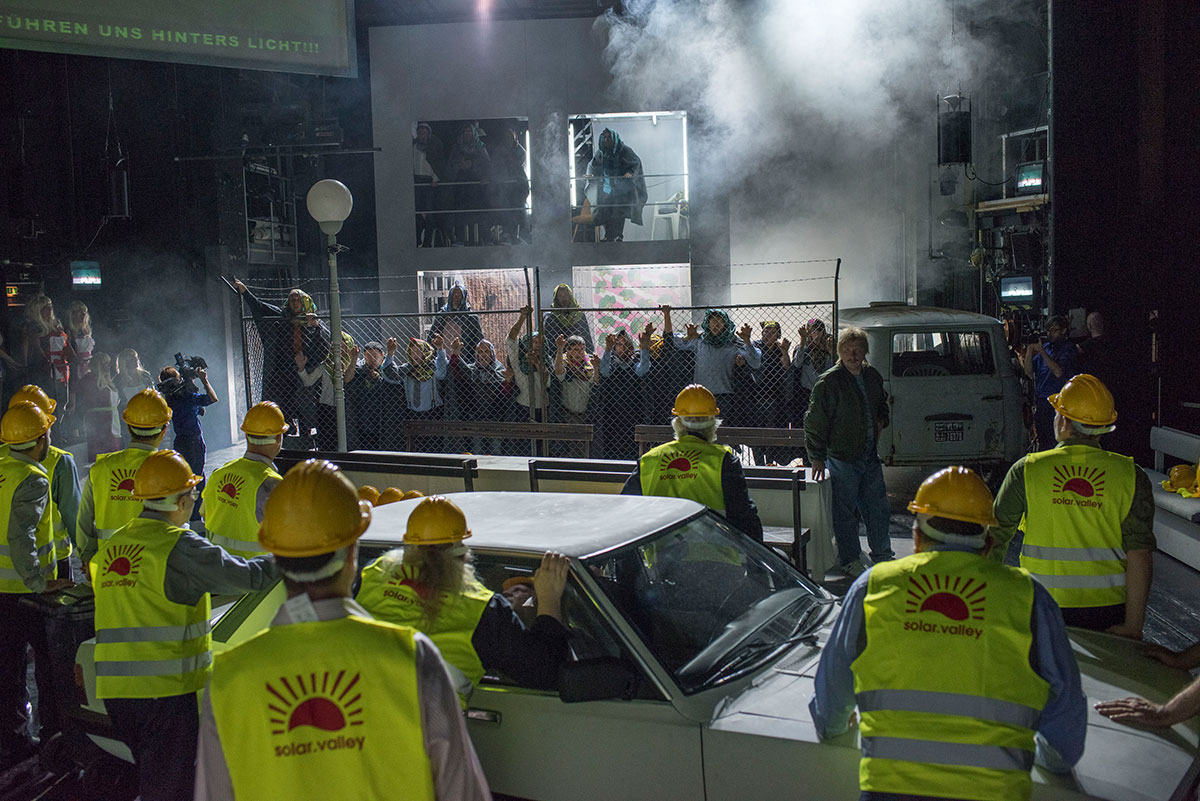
x=858 y=490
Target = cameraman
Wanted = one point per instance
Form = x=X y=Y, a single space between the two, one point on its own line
x=186 y=406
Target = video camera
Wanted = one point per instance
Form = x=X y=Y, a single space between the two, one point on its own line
x=189 y=367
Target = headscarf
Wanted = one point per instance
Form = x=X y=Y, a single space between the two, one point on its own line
x=523 y=346
x=727 y=335
x=622 y=334
x=569 y=318
x=348 y=343
x=450 y=297
x=489 y=373
x=581 y=371
x=422 y=370
x=307 y=307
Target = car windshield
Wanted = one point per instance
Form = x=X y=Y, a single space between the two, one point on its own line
x=710 y=603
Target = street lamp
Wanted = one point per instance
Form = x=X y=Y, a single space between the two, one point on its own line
x=329 y=202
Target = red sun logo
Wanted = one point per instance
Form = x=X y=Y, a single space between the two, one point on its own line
x=122 y=560
x=121 y=481
x=323 y=701
x=230 y=485
x=683 y=461
x=406 y=576
x=952 y=596
x=1086 y=482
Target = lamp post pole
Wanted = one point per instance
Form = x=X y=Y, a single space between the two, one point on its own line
x=329 y=203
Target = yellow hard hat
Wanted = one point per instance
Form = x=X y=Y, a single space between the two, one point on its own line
x=390 y=495
x=695 y=400
x=368 y=493
x=1085 y=400
x=410 y=494
x=147 y=409
x=264 y=420
x=35 y=395
x=164 y=473
x=957 y=493
x=436 y=521
x=1182 y=476
x=24 y=422
x=313 y=511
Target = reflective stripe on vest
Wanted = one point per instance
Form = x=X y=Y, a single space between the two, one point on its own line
x=390 y=592
x=13 y=472
x=112 y=490
x=1077 y=497
x=948 y=699
x=325 y=710
x=146 y=645
x=230 y=505
x=62 y=540
x=689 y=467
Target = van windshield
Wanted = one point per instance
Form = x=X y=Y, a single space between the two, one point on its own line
x=927 y=354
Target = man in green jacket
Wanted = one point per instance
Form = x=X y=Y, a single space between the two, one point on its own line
x=846 y=412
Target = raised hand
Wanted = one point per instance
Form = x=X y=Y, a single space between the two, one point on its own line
x=745 y=332
x=239 y=286
x=456 y=346
x=301 y=360
x=391 y=346
x=438 y=342
x=692 y=331
x=786 y=344
x=561 y=342
x=609 y=341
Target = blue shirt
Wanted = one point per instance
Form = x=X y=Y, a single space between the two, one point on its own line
x=640 y=367
x=1063 y=722
x=714 y=365
x=422 y=396
x=1066 y=355
x=185 y=412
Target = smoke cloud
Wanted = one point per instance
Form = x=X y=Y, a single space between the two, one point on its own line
x=818 y=118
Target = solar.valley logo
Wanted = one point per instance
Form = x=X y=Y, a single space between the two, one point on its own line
x=934 y=599
x=325 y=703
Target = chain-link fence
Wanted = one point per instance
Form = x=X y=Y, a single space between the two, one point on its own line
x=449 y=381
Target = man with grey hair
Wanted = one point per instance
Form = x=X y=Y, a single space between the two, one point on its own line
x=694 y=466
x=1088 y=516
x=846 y=412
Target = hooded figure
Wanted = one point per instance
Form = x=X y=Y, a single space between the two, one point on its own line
x=620 y=184
x=456 y=320
x=566 y=318
x=469 y=168
x=286 y=332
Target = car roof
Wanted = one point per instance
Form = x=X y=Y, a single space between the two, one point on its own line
x=900 y=314
x=575 y=524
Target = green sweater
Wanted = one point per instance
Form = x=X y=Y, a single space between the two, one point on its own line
x=835 y=424
x=1137 y=529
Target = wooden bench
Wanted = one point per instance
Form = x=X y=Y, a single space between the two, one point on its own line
x=496 y=429
x=1176 y=518
x=648 y=436
x=599 y=471
x=394 y=463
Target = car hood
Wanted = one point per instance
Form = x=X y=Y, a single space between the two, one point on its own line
x=1119 y=762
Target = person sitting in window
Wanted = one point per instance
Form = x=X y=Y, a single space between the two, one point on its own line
x=620 y=186
x=469 y=166
x=427 y=162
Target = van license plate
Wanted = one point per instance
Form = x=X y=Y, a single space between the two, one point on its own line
x=947 y=432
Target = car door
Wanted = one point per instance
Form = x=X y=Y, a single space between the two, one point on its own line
x=532 y=745
x=947 y=396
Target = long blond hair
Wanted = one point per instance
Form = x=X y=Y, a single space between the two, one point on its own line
x=85 y=328
x=33 y=313
x=101 y=365
x=441 y=571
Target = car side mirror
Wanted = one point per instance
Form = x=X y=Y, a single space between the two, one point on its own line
x=598 y=679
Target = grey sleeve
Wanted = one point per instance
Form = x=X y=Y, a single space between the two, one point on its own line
x=28 y=503
x=457 y=773
x=85 y=524
x=64 y=488
x=260 y=499
x=213 y=782
x=196 y=567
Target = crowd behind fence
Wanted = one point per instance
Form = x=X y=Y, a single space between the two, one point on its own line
x=432 y=374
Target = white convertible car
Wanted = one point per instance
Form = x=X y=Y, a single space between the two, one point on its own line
x=694 y=652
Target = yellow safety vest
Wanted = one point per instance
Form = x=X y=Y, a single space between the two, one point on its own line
x=390 y=592
x=324 y=710
x=685 y=468
x=112 y=490
x=62 y=540
x=146 y=645
x=948 y=699
x=229 y=505
x=12 y=472
x=1076 y=498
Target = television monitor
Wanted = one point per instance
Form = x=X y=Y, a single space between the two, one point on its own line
x=1030 y=178
x=1017 y=289
x=85 y=274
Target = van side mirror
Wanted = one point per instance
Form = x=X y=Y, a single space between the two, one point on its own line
x=598 y=679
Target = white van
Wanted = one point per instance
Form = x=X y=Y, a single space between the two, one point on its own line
x=953 y=388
